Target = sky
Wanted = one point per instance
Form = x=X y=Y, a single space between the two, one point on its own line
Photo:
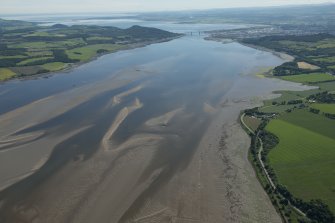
x=68 y=6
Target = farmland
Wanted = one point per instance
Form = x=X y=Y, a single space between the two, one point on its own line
x=327 y=108
x=309 y=78
x=27 y=49
x=299 y=153
x=85 y=53
x=307 y=155
x=299 y=128
x=54 y=66
x=306 y=143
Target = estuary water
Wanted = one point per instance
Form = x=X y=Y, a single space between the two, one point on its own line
x=134 y=136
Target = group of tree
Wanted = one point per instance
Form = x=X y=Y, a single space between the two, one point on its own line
x=329 y=115
x=323 y=97
x=314 y=110
x=286 y=69
x=294 y=102
x=315 y=210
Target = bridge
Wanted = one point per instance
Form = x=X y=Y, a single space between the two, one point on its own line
x=196 y=33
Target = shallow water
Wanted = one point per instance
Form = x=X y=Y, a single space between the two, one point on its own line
x=189 y=61
x=189 y=73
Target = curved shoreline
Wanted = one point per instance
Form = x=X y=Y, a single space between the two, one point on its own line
x=286 y=57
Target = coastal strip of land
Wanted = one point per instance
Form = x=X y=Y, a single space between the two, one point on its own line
x=295 y=130
x=28 y=50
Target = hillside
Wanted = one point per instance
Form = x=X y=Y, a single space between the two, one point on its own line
x=27 y=49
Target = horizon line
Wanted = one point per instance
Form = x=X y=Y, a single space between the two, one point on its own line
x=172 y=10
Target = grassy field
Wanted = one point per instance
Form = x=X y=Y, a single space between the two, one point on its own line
x=31 y=60
x=309 y=78
x=87 y=52
x=50 y=44
x=285 y=97
x=327 y=86
x=12 y=57
x=275 y=108
x=304 y=159
x=326 y=108
x=325 y=59
x=54 y=66
x=311 y=121
x=6 y=74
x=99 y=38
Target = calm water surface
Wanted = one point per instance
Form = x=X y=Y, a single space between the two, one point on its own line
x=188 y=66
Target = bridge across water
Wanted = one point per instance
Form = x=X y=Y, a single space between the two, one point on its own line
x=196 y=33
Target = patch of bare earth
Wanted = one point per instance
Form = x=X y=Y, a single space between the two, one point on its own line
x=307 y=66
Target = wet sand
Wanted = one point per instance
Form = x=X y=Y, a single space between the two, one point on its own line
x=120 y=151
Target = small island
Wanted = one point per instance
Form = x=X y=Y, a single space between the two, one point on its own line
x=27 y=49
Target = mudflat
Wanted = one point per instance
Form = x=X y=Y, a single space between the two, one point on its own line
x=156 y=141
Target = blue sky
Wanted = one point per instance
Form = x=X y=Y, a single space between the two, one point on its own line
x=65 y=6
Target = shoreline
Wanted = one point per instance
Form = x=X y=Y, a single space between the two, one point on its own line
x=262 y=174
x=73 y=66
x=286 y=57
x=257 y=164
x=234 y=144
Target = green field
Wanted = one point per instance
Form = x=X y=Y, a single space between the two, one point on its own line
x=41 y=45
x=326 y=108
x=54 y=66
x=31 y=60
x=88 y=52
x=309 y=78
x=311 y=121
x=327 y=86
x=285 y=97
x=275 y=108
x=43 y=34
x=12 y=57
x=325 y=59
x=304 y=159
x=6 y=74
x=99 y=38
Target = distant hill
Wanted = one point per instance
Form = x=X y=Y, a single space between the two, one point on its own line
x=14 y=23
x=59 y=26
x=27 y=49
